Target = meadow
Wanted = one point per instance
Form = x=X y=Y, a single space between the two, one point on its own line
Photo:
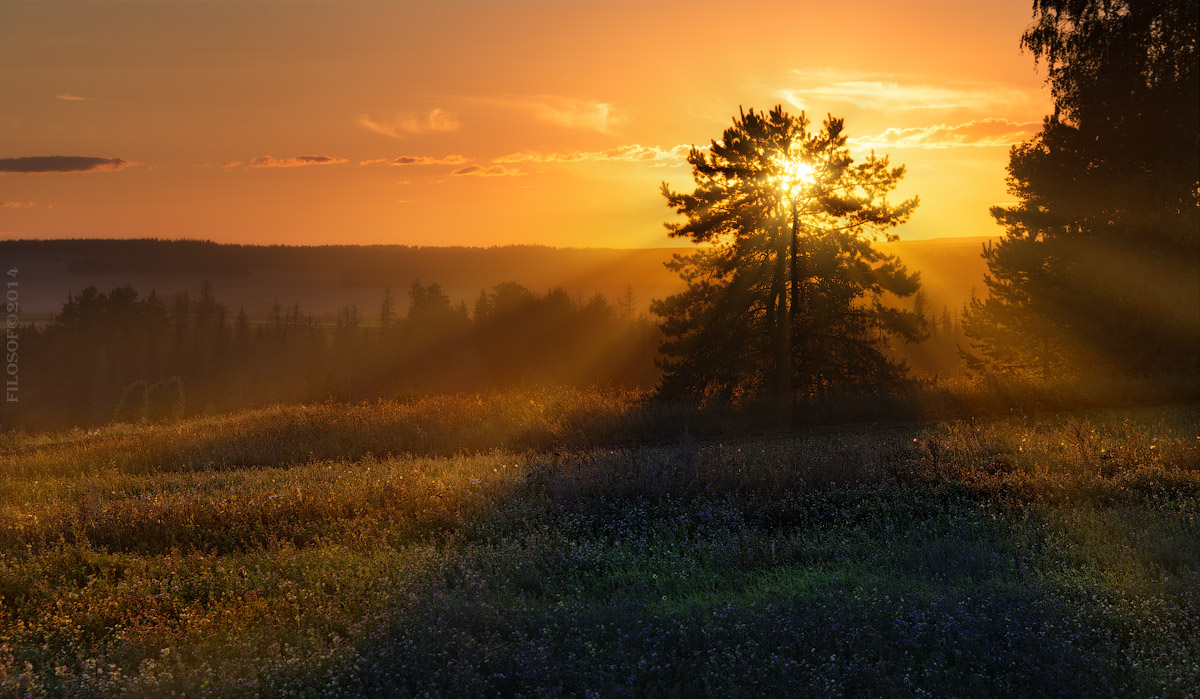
x=560 y=543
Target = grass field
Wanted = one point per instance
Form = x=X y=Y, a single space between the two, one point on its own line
x=558 y=543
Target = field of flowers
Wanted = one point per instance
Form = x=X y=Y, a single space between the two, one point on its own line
x=567 y=544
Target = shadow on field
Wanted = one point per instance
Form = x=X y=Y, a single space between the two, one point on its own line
x=838 y=565
x=861 y=591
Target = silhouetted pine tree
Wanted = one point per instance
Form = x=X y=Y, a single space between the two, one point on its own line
x=787 y=298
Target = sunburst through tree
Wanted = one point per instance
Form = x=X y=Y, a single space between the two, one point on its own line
x=785 y=296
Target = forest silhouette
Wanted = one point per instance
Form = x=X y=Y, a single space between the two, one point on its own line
x=108 y=355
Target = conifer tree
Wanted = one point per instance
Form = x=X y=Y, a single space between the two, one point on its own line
x=1100 y=264
x=784 y=297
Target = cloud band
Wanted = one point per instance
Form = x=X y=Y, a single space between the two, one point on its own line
x=61 y=163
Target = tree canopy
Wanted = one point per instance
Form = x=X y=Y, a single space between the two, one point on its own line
x=785 y=295
x=1100 y=264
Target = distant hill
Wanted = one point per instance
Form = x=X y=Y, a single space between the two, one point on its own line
x=324 y=279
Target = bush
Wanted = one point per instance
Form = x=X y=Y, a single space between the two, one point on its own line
x=132 y=406
x=164 y=400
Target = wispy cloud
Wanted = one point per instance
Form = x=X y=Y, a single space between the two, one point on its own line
x=425 y=160
x=72 y=98
x=61 y=163
x=436 y=121
x=629 y=153
x=18 y=204
x=883 y=91
x=298 y=161
x=567 y=112
x=578 y=114
x=979 y=133
x=486 y=171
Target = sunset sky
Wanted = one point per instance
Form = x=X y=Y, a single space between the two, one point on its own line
x=462 y=122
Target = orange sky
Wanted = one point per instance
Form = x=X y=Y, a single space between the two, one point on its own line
x=440 y=122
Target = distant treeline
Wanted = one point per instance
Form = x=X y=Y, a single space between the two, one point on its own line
x=353 y=265
x=126 y=354
x=937 y=357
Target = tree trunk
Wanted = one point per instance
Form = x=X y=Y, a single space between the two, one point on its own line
x=1045 y=359
x=783 y=344
x=772 y=339
x=795 y=305
x=795 y=276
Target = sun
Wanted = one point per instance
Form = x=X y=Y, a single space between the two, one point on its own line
x=792 y=174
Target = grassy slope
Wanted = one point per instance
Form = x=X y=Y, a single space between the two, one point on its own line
x=477 y=546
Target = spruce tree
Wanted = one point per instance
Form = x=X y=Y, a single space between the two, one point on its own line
x=1099 y=268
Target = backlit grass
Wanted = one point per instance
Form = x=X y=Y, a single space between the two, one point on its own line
x=486 y=546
